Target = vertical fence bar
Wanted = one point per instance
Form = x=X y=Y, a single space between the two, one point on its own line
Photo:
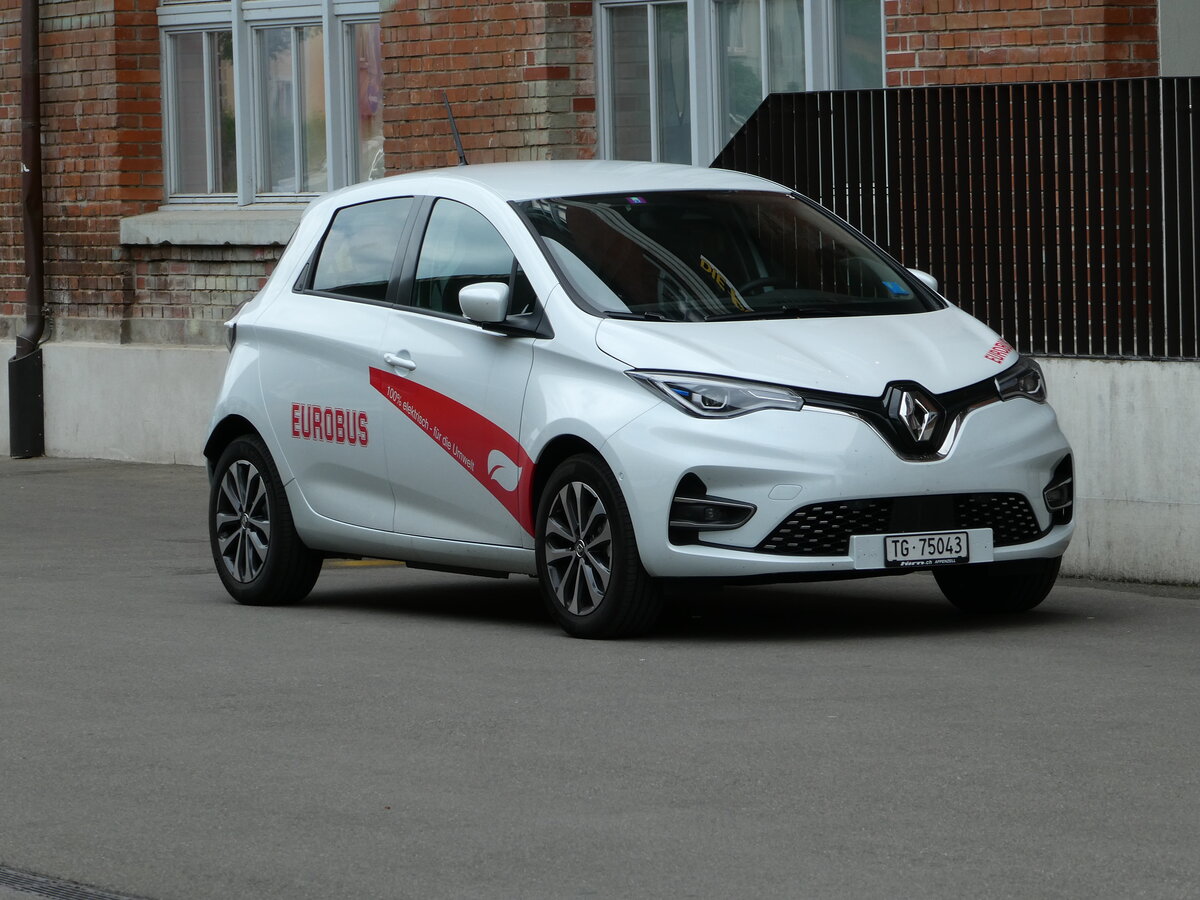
x=945 y=206
x=1169 y=310
x=881 y=181
x=1021 y=231
x=1182 y=199
x=1190 y=233
x=1141 y=124
x=1081 y=224
x=1033 y=276
x=1046 y=208
x=1123 y=222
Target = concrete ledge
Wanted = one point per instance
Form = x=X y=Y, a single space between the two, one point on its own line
x=212 y=227
x=1132 y=425
x=1136 y=438
x=130 y=402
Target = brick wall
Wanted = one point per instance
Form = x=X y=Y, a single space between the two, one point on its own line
x=519 y=76
x=101 y=125
x=185 y=293
x=973 y=41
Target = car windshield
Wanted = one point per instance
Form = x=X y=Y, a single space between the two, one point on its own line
x=718 y=255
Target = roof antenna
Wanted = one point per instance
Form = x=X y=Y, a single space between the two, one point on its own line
x=462 y=157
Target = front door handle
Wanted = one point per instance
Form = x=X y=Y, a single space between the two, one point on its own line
x=400 y=362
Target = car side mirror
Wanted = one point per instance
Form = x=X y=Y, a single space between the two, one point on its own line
x=926 y=279
x=485 y=302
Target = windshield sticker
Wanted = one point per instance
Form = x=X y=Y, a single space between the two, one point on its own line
x=897 y=289
x=723 y=285
x=635 y=201
x=999 y=352
x=491 y=455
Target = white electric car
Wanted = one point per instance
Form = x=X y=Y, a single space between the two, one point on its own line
x=610 y=375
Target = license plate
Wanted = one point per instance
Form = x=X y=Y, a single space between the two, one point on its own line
x=939 y=548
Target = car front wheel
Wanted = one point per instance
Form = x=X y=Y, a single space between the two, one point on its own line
x=592 y=578
x=999 y=587
x=259 y=557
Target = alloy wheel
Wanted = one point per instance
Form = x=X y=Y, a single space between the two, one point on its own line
x=243 y=521
x=578 y=548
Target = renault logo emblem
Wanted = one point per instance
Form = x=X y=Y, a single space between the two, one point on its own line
x=918 y=414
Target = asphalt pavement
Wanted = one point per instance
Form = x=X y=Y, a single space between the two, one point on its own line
x=406 y=734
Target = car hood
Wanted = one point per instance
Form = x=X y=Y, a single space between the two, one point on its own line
x=940 y=350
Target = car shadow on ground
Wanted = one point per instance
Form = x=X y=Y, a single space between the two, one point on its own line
x=814 y=611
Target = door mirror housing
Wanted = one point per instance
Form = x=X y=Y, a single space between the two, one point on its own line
x=926 y=279
x=485 y=302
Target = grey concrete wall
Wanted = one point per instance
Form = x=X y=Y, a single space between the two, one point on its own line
x=1179 y=37
x=1136 y=437
x=130 y=402
x=1132 y=425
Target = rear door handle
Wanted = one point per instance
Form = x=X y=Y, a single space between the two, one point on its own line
x=400 y=362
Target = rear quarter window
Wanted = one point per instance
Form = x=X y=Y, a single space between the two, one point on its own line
x=358 y=253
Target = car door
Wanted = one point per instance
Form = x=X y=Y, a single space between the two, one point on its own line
x=456 y=390
x=318 y=345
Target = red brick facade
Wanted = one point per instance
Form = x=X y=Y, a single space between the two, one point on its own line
x=518 y=75
x=975 y=41
x=102 y=147
x=521 y=79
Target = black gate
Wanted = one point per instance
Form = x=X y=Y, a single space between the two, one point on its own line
x=1064 y=214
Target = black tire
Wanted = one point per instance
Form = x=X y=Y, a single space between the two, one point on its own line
x=259 y=557
x=592 y=579
x=998 y=588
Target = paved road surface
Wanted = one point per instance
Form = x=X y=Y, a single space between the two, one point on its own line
x=406 y=734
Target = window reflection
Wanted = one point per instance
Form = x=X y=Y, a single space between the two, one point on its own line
x=205 y=160
x=292 y=66
x=368 y=117
x=674 y=84
x=860 y=43
x=630 y=82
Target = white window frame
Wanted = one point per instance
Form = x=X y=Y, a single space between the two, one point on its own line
x=820 y=62
x=244 y=18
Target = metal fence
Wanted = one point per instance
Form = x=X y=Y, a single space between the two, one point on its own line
x=1064 y=214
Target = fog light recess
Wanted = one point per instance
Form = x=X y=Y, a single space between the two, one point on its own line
x=693 y=511
x=1059 y=494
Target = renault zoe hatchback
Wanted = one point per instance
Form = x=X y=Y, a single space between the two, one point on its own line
x=615 y=375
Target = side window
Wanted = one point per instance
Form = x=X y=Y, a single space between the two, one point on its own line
x=461 y=247
x=356 y=257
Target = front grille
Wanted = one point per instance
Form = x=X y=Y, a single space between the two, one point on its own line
x=825 y=529
x=1009 y=516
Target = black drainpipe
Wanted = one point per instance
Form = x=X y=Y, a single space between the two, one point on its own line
x=26 y=407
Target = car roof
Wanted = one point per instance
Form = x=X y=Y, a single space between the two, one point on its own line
x=516 y=181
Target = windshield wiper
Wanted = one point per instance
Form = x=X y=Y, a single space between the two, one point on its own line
x=638 y=316
x=782 y=312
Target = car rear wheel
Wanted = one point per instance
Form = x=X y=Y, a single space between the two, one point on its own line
x=259 y=557
x=1000 y=587
x=592 y=578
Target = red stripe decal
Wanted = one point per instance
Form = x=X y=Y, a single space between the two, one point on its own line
x=493 y=456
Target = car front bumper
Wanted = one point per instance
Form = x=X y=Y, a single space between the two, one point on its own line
x=783 y=462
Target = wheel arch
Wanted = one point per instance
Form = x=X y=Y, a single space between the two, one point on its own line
x=226 y=431
x=553 y=454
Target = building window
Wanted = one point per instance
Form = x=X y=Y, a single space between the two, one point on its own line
x=679 y=77
x=650 y=86
x=270 y=103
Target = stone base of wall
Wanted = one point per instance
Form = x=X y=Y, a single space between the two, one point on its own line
x=1131 y=424
x=127 y=402
x=1135 y=435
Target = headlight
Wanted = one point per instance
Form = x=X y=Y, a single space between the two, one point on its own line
x=1025 y=379
x=710 y=397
